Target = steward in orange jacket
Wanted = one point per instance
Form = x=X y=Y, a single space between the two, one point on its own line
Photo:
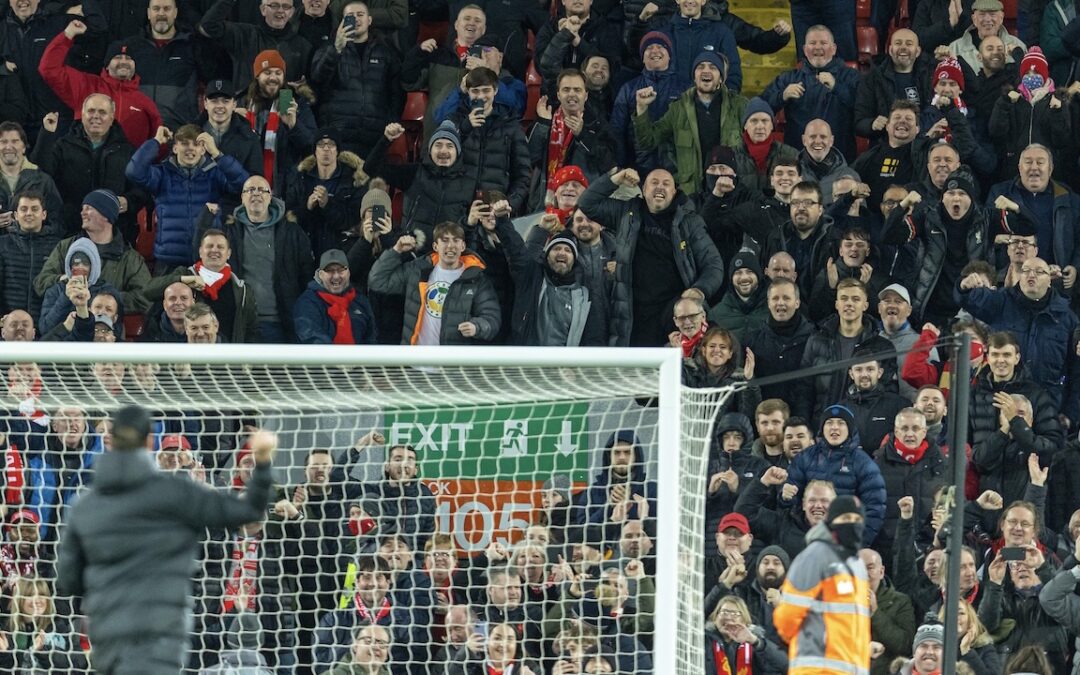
x=827 y=594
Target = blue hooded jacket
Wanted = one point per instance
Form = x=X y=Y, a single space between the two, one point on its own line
x=668 y=84
x=595 y=501
x=690 y=37
x=851 y=471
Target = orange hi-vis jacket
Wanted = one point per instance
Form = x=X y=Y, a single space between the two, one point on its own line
x=824 y=614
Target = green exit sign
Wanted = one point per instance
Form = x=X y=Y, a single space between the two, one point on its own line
x=526 y=442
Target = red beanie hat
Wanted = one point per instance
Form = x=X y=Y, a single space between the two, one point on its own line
x=568 y=173
x=1035 y=60
x=949 y=69
x=268 y=58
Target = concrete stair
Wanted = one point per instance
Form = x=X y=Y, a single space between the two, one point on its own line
x=758 y=70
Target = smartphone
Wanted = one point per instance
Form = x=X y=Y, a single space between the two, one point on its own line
x=78 y=280
x=476 y=103
x=349 y=22
x=284 y=101
x=476 y=51
x=378 y=212
x=1013 y=553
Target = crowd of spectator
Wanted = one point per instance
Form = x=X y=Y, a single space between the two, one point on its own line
x=575 y=173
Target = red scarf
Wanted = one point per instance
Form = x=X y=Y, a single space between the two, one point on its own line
x=758 y=151
x=492 y=670
x=13 y=568
x=211 y=290
x=338 y=311
x=911 y=455
x=13 y=474
x=744 y=659
x=558 y=146
x=689 y=344
x=244 y=574
x=365 y=615
x=563 y=214
x=273 y=119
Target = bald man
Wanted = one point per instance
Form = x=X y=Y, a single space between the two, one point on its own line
x=271 y=254
x=903 y=75
x=662 y=251
x=17 y=326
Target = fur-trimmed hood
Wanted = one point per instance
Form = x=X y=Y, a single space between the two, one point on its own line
x=347 y=159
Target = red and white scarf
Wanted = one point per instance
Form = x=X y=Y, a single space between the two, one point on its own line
x=492 y=670
x=365 y=615
x=744 y=659
x=215 y=281
x=558 y=146
x=244 y=575
x=273 y=122
x=13 y=567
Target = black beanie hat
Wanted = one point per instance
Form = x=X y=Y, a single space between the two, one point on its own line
x=844 y=504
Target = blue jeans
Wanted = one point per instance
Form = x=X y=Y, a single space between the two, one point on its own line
x=271 y=332
x=838 y=15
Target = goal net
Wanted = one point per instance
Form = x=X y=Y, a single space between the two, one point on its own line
x=437 y=510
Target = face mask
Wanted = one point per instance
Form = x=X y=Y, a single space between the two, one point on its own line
x=848 y=535
x=1032 y=81
x=976 y=351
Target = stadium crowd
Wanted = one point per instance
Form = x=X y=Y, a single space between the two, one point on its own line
x=579 y=173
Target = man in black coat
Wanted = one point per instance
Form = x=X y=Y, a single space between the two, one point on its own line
x=875 y=407
x=130 y=544
x=92 y=155
x=778 y=346
x=23 y=252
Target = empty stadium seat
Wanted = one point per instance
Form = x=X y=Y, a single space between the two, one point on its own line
x=412 y=118
x=862 y=12
x=144 y=240
x=532 y=85
x=133 y=325
x=433 y=29
x=867 y=39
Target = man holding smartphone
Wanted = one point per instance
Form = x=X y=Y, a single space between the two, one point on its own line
x=357 y=81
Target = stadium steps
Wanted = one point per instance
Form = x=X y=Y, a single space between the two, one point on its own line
x=759 y=70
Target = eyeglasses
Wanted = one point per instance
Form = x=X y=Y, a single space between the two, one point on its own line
x=1021 y=243
x=371 y=642
x=439 y=555
x=804 y=203
x=729 y=612
x=1026 y=524
x=1028 y=271
x=687 y=317
x=256 y=191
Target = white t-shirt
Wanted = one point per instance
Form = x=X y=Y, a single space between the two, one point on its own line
x=431 y=319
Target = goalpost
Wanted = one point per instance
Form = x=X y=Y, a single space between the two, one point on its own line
x=489 y=426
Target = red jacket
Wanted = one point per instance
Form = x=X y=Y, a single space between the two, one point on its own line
x=136 y=113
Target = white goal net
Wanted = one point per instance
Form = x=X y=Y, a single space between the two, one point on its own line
x=435 y=511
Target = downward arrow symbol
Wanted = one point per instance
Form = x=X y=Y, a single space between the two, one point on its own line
x=564 y=446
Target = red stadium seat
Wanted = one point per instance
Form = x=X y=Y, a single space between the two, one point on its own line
x=555 y=7
x=412 y=118
x=532 y=85
x=867 y=38
x=133 y=325
x=862 y=12
x=861 y=145
x=1011 y=12
x=397 y=206
x=436 y=30
x=144 y=240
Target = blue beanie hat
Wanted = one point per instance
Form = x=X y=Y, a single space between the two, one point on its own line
x=654 y=37
x=449 y=131
x=104 y=202
x=714 y=58
x=755 y=106
x=842 y=412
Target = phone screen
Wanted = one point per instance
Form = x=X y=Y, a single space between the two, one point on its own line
x=1011 y=553
x=349 y=22
x=284 y=101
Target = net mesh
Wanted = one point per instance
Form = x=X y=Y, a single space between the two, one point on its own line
x=437 y=519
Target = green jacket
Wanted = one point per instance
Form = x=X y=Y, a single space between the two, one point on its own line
x=121 y=266
x=893 y=625
x=679 y=127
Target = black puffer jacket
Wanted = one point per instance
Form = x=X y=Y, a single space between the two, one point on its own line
x=779 y=350
x=984 y=416
x=244 y=41
x=140 y=586
x=875 y=411
x=826 y=241
x=471 y=298
x=31 y=178
x=433 y=194
x=822 y=348
x=496 y=155
x=169 y=74
x=345 y=188
x=746 y=465
x=785 y=527
x=699 y=265
x=903 y=479
x=78 y=167
x=931 y=23
x=877 y=92
x=926 y=226
x=359 y=91
x=408 y=510
x=22 y=255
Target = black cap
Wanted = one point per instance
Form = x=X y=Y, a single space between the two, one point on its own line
x=220 y=89
x=328 y=134
x=131 y=426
